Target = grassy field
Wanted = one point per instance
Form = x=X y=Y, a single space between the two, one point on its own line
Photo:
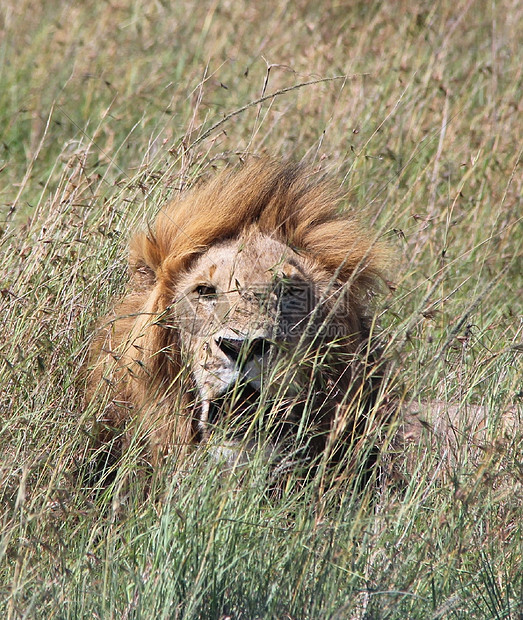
x=109 y=108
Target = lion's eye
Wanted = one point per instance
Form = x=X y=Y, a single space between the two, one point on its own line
x=205 y=291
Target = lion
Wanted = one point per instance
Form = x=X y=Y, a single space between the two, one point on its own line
x=247 y=322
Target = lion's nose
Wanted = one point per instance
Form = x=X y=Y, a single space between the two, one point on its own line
x=242 y=349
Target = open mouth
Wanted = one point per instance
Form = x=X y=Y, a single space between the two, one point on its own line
x=242 y=414
x=242 y=422
x=236 y=412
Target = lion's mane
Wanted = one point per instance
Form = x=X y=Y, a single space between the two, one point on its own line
x=136 y=354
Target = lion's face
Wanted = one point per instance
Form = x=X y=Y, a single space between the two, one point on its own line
x=249 y=313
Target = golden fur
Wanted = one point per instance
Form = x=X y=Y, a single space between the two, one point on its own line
x=264 y=207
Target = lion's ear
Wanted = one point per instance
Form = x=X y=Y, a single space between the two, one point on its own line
x=144 y=259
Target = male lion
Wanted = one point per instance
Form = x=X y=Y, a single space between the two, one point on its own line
x=246 y=322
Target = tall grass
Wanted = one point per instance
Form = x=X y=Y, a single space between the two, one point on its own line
x=106 y=110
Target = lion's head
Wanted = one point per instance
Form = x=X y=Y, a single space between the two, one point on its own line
x=246 y=319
